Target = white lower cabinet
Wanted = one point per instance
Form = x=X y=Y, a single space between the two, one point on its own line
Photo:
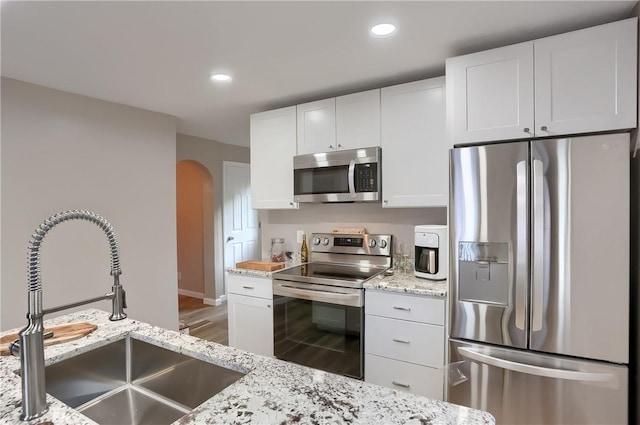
x=403 y=376
x=405 y=342
x=250 y=313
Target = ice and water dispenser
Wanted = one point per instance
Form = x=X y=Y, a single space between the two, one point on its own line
x=483 y=272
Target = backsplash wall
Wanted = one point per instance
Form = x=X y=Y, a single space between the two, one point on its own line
x=310 y=218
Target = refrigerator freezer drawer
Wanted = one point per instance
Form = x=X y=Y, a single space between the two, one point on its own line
x=522 y=387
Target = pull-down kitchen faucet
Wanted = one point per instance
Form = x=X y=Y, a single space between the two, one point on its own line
x=30 y=345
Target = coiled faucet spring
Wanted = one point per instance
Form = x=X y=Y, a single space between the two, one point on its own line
x=30 y=345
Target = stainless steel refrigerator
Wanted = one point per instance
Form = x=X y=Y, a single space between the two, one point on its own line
x=539 y=282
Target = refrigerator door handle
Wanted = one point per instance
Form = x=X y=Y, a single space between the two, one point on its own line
x=537 y=249
x=572 y=375
x=521 y=245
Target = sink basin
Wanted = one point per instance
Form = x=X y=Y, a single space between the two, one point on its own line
x=134 y=382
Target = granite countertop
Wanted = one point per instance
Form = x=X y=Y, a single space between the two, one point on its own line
x=258 y=273
x=249 y=272
x=272 y=392
x=408 y=284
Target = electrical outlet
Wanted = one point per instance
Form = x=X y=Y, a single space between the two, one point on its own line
x=299 y=235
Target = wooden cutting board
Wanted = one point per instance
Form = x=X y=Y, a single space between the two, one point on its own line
x=61 y=333
x=267 y=266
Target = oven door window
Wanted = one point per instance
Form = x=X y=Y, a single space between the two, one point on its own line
x=319 y=335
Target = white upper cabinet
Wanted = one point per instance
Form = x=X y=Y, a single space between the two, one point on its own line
x=317 y=126
x=585 y=81
x=358 y=120
x=273 y=146
x=345 y=122
x=491 y=94
x=415 y=149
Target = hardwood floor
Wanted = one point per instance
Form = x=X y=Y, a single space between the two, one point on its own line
x=204 y=321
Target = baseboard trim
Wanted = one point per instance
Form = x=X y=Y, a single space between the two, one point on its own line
x=192 y=294
x=215 y=301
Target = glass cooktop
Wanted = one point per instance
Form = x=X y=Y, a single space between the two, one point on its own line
x=335 y=274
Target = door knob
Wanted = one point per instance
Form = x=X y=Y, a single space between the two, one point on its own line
x=229 y=238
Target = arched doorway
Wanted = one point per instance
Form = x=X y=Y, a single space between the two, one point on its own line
x=194 y=211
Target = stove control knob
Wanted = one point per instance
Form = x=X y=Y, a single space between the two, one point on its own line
x=316 y=240
x=383 y=244
x=325 y=241
x=372 y=243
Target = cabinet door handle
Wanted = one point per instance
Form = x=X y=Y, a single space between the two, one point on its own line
x=248 y=287
x=400 y=384
x=339 y=145
x=526 y=129
x=330 y=146
x=543 y=128
x=402 y=341
x=395 y=307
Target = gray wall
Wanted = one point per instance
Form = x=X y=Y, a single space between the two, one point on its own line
x=312 y=218
x=212 y=154
x=63 y=151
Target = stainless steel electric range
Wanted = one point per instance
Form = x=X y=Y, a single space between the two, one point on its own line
x=319 y=306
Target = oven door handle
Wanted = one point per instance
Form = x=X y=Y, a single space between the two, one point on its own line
x=329 y=297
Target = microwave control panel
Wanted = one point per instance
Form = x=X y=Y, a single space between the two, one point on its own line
x=366 y=177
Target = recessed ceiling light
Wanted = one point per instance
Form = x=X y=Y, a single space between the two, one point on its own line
x=383 y=30
x=220 y=77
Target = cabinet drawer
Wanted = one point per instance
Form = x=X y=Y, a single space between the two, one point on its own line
x=420 y=380
x=249 y=285
x=405 y=307
x=418 y=343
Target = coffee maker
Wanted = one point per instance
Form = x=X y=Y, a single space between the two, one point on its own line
x=431 y=251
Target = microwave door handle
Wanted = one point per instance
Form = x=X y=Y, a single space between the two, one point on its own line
x=352 y=178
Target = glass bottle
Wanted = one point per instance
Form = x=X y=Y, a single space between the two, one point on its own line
x=304 y=251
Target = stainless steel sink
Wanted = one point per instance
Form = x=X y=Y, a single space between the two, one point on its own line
x=134 y=382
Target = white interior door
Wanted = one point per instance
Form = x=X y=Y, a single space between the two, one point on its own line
x=240 y=221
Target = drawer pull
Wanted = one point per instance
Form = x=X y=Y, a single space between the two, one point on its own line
x=402 y=341
x=248 y=287
x=400 y=384
x=395 y=307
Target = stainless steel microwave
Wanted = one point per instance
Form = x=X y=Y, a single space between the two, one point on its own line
x=338 y=176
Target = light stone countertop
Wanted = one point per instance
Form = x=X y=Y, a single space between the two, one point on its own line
x=408 y=284
x=272 y=392
x=249 y=272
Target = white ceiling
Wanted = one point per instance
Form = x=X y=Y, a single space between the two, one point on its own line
x=158 y=55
